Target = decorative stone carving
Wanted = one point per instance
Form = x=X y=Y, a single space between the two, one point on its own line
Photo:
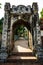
x=21 y=9
x=13 y=14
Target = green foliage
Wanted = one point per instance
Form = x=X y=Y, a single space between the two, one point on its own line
x=0 y=5
x=1 y=20
x=41 y=13
x=19 y=30
x=1 y=24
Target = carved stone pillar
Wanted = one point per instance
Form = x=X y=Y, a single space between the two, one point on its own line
x=4 y=45
x=38 y=39
x=37 y=32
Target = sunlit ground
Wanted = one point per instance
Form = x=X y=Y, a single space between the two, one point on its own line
x=21 y=45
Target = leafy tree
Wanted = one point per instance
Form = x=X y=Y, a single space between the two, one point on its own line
x=41 y=13
x=19 y=30
x=1 y=24
x=0 y=5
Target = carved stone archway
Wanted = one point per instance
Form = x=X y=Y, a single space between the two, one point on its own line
x=27 y=14
x=27 y=25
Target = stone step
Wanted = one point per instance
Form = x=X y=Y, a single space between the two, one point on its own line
x=22 y=54
x=22 y=62
x=22 y=58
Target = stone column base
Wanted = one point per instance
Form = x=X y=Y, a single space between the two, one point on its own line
x=3 y=54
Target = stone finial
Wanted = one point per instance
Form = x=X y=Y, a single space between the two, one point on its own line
x=7 y=6
x=35 y=7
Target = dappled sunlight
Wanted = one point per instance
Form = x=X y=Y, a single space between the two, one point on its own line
x=28 y=58
x=22 y=49
x=21 y=45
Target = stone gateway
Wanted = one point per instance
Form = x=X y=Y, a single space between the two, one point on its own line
x=18 y=15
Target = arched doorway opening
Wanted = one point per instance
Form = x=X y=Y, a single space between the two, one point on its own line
x=26 y=43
